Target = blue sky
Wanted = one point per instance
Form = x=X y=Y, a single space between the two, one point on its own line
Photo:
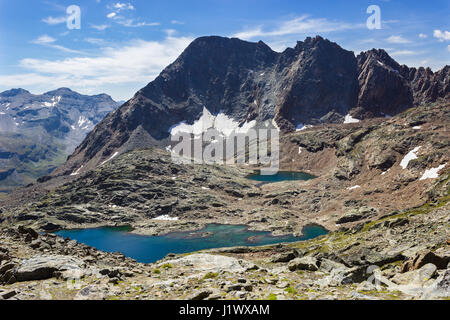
x=123 y=45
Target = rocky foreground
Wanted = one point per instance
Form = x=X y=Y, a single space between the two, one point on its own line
x=402 y=256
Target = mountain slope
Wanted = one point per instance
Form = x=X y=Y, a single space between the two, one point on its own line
x=37 y=132
x=364 y=171
x=249 y=84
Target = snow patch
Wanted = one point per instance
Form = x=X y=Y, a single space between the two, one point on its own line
x=300 y=149
x=53 y=103
x=302 y=127
x=112 y=157
x=165 y=218
x=350 y=119
x=410 y=156
x=354 y=187
x=82 y=120
x=417 y=127
x=75 y=173
x=432 y=173
x=222 y=123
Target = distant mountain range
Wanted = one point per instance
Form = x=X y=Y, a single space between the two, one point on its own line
x=248 y=84
x=37 y=132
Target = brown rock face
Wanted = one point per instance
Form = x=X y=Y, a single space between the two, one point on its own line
x=387 y=88
x=315 y=82
x=382 y=89
x=321 y=78
x=428 y=86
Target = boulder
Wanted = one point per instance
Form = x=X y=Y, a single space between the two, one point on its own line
x=444 y=282
x=91 y=292
x=8 y=295
x=200 y=295
x=305 y=263
x=416 y=277
x=211 y=263
x=351 y=275
x=7 y=266
x=357 y=215
x=399 y=222
x=28 y=232
x=285 y=257
x=44 y=267
x=327 y=265
x=425 y=257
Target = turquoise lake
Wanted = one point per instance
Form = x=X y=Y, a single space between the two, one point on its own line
x=149 y=249
x=281 y=176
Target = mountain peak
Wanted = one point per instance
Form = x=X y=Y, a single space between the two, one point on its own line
x=249 y=82
x=14 y=92
x=61 y=91
x=378 y=56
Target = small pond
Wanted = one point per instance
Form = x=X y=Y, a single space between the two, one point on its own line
x=281 y=176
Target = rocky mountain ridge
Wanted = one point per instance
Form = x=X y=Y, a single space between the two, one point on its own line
x=37 y=132
x=248 y=84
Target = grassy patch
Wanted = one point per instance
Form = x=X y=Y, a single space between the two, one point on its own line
x=211 y=275
x=272 y=297
x=291 y=290
x=426 y=208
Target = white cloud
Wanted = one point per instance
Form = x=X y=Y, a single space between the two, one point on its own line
x=128 y=22
x=299 y=25
x=422 y=36
x=99 y=27
x=397 y=39
x=135 y=24
x=137 y=62
x=118 y=7
x=442 y=35
x=448 y=48
x=123 y=6
x=96 y=41
x=54 y=21
x=44 y=39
